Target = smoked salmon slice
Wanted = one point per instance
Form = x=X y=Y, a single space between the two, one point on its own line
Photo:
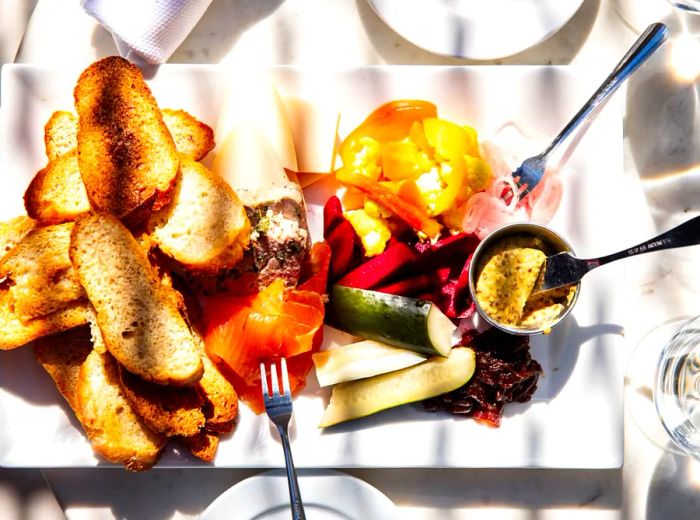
x=243 y=331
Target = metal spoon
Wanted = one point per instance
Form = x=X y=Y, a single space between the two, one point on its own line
x=530 y=172
x=564 y=268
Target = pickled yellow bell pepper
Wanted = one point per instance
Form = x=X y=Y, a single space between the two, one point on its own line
x=353 y=198
x=453 y=175
x=390 y=122
x=409 y=192
x=412 y=165
x=449 y=140
x=403 y=160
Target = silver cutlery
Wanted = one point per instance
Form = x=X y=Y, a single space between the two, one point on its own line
x=564 y=268
x=530 y=172
x=279 y=409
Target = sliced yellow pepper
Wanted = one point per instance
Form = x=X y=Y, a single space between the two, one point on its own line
x=417 y=135
x=450 y=140
x=392 y=121
x=353 y=198
x=409 y=192
x=403 y=160
x=453 y=175
x=473 y=148
x=409 y=164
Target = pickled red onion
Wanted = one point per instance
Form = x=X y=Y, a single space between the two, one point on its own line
x=545 y=198
x=487 y=210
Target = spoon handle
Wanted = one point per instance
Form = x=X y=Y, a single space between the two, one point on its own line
x=646 y=44
x=686 y=234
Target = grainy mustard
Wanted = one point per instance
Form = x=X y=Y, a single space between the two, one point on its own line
x=506 y=278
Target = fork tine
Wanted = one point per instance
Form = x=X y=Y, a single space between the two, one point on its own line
x=263 y=378
x=285 y=376
x=273 y=378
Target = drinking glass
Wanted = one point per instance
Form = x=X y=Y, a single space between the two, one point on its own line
x=688 y=5
x=638 y=14
x=662 y=386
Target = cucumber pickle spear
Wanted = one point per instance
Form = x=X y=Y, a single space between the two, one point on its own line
x=435 y=376
x=408 y=323
x=361 y=360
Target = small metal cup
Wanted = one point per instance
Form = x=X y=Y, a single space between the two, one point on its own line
x=555 y=243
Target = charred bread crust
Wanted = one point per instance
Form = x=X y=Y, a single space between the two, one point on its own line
x=126 y=154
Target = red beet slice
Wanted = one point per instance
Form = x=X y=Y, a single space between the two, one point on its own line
x=346 y=248
x=380 y=268
x=420 y=284
x=332 y=215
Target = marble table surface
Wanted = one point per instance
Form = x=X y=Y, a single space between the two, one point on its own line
x=662 y=159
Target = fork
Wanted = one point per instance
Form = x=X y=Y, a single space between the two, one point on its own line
x=279 y=409
x=530 y=172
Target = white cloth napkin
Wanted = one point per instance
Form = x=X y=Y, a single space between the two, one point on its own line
x=147 y=30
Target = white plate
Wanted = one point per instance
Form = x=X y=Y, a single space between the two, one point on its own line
x=327 y=495
x=575 y=419
x=476 y=29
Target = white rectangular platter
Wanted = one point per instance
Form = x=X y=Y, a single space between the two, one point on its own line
x=576 y=417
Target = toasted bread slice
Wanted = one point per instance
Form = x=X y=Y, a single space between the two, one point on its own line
x=114 y=429
x=57 y=193
x=202 y=445
x=221 y=400
x=126 y=155
x=12 y=232
x=60 y=134
x=205 y=228
x=193 y=138
x=16 y=333
x=88 y=381
x=42 y=278
x=62 y=355
x=165 y=409
x=140 y=321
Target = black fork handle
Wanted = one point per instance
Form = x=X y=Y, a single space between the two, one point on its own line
x=294 y=494
x=683 y=235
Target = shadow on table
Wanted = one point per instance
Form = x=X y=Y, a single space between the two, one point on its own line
x=564 y=344
x=14 y=17
x=532 y=489
x=662 y=121
x=24 y=494
x=662 y=129
x=561 y=48
x=160 y=494
x=187 y=492
x=27 y=380
x=674 y=491
x=662 y=126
